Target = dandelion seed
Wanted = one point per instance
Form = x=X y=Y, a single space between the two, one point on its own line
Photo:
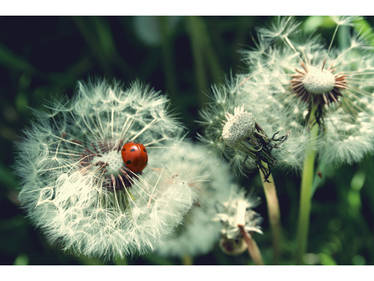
x=236 y=216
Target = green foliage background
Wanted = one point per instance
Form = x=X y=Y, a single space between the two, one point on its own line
x=44 y=57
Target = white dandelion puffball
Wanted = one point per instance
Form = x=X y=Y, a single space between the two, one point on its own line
x=245 y=134
x=238 y=126
x=237 y=212
x=289 y=74
x=76 y=185
x=211 y=181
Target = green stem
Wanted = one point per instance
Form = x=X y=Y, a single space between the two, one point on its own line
x=306 y=189
x=273 y=211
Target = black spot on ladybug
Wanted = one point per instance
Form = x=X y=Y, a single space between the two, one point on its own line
x=128 y=162
x=132 y=149
x=144 y=150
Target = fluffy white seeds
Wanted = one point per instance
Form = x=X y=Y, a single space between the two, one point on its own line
x=211 y=185
x=238 y=127
x=280 y=93
x=76 y=187
x=113 y=159
x=318 y=81
x=237 y=211
x=231 y=117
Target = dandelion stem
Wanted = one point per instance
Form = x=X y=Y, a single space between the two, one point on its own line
x=306 y=189
x=273 y=211
x=253 y=249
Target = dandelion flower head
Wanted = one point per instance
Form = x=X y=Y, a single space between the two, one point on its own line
x=211 y=185
x=241 y=132
x=76 y=187
x=235 y=214
x=290 y=74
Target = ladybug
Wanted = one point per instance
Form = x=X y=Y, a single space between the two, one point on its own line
x=135 y=156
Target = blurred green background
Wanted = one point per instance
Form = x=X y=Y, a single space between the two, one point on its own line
x=44 y=57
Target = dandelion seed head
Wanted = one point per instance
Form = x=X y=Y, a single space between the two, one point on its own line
x=296 y=72
x=237 y=211
x=211 y=182
x=241 y=130
x=238 y=126
x=318 y=81
x=113 y=159
x=76 y=187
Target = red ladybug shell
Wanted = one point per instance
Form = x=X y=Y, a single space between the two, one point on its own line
x=134 y=156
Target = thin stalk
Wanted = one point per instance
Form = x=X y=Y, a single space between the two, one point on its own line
x=273 y=211
x=333 y=38
x=306 y=189
x=253 y=249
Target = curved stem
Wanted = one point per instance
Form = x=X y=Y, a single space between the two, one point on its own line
x=306 y=189
x=253 y=249
x=273 y=211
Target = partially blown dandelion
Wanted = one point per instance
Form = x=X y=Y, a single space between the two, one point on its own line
x=236 y=132
x=238 y=221
x=210 y=181
x=82 y=192
x=248 y=140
